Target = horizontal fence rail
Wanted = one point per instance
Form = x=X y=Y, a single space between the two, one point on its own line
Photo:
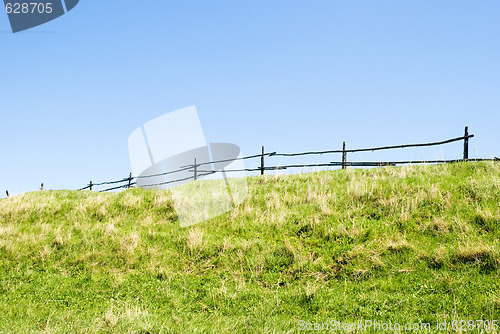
x=353 y=164
x=198 y=172
x=373 y=148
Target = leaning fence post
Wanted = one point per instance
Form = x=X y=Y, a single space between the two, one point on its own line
x=195 y=170
x=466 y=143
x=129 y=180
x=344 y=157
x=262 y=162
x=90 y=185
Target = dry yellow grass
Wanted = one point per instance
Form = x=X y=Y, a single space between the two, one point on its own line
x=195 y=238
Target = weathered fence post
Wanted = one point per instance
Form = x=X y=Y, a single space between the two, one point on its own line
x=7 y=192
x=129 y=180
x=195 y=170
x=262 y=162
x=466 y=143
x=344 y=157
x=90 y=185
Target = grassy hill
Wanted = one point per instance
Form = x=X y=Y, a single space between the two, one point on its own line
x=407 y=245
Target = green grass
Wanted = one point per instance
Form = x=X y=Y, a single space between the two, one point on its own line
x=406 y=245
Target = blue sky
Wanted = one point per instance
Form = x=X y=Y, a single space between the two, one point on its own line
x=290 y=75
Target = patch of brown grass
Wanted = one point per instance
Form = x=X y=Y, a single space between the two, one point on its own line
x=475 y=253
x=195 y=238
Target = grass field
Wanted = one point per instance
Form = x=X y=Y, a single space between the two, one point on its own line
x=405 y=245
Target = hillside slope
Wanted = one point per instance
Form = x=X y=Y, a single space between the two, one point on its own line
x=408 y=245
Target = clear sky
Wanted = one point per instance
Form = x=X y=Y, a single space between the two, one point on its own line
x=290 y=75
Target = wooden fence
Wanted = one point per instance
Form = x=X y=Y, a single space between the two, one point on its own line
x=197 y=170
